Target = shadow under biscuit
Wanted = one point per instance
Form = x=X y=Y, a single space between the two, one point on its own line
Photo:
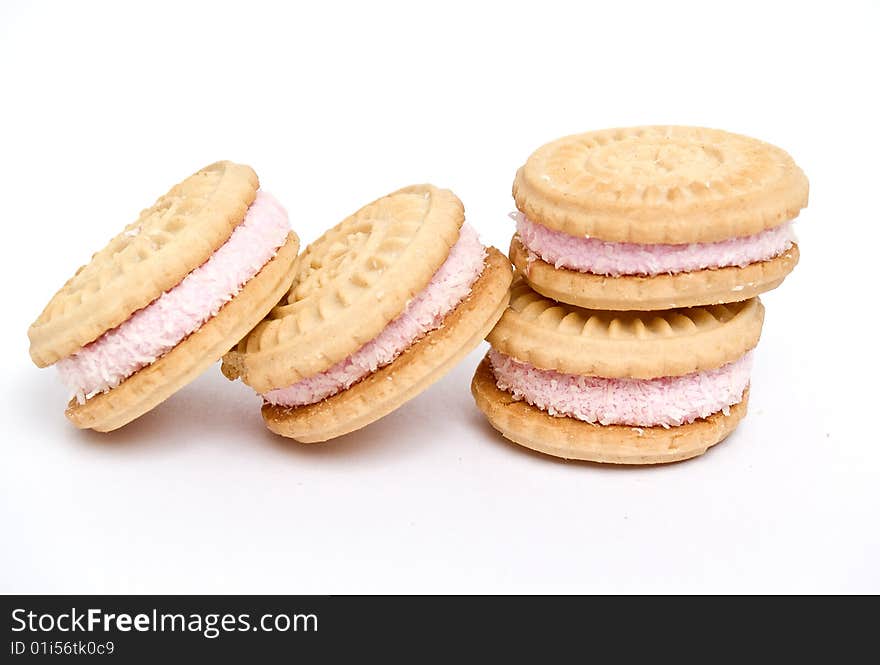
x=409 y=431
x=390 y=438
x=208 y=408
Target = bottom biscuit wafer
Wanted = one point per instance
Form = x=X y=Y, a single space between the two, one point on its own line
x=424 y=363
x=155 y=383
x=685 y=289
x=574 y=439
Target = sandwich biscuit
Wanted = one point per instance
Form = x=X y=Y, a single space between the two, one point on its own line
x=649 y=218
x=380 y=307
x=628 y=387
x=167 y=297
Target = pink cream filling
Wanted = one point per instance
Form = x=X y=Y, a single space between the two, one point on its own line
x=667 y=401
x=160 y=326
x=626 y=258
x=448 y=287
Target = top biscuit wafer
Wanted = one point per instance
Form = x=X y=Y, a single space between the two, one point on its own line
x=151 y=255
x=348 y=285
x=639 y=345
x=660 y=185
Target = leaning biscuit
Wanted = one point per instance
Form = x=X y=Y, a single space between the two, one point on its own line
x=381 y=306
x=624 y=387
x=656 y=217
x=167 y=296
x=421 y=365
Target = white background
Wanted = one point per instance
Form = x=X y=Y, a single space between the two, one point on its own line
x=106 y=105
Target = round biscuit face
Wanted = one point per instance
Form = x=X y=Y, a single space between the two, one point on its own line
x=660 y=184
x=348 y=285
x=150 y=256
x=424 y=363
x=641 y=345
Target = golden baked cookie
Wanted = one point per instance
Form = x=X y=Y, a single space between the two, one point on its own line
x=656 y=217
x=660 y=184
x=348 y=285
x=633 y=387
x=152 y=385
x=624 y=344
x=149 y=256
x=380 y=307
x=167 y=297
x=417 y=368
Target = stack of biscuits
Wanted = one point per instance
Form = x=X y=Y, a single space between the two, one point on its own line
x=640 y=253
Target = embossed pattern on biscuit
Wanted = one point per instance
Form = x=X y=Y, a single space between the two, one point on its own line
x=151 y=255
x=423 y=363
x=348 y=285
x=641 y=345
x=660 y=184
